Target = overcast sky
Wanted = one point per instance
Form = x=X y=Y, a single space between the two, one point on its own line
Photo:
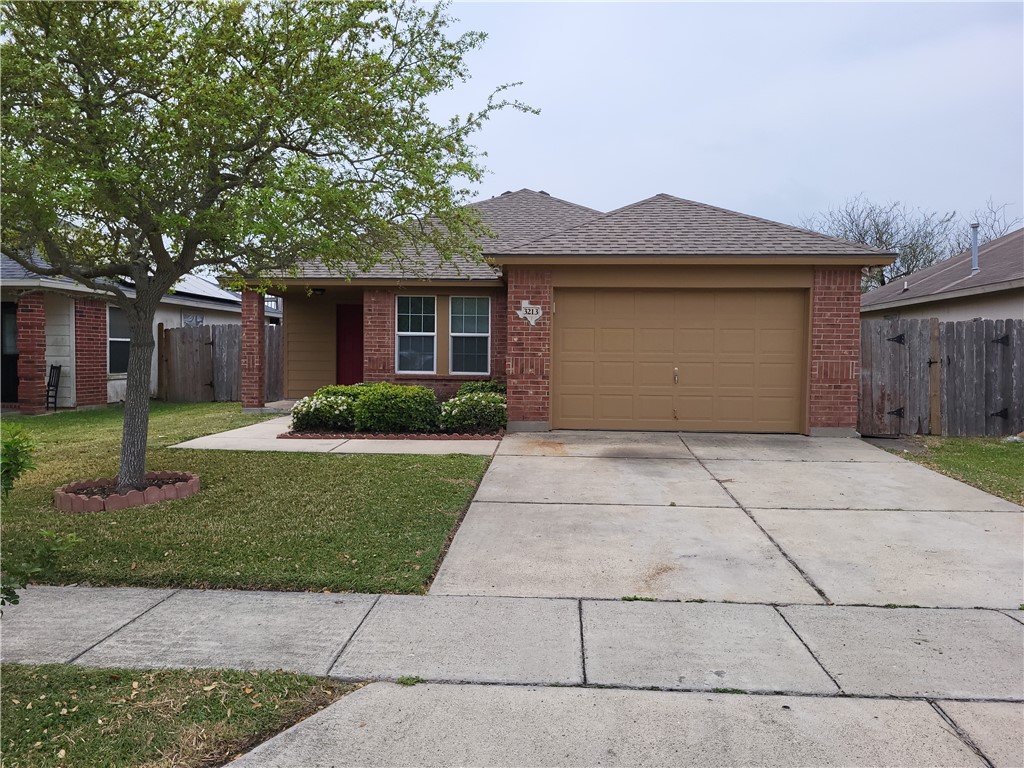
x=773 y=109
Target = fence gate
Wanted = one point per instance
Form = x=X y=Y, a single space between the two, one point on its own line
x=953 y=378
x=204 y=364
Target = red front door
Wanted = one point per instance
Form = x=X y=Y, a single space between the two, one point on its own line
x=350 y=343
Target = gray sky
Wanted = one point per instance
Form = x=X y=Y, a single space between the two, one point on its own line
x=773 y=109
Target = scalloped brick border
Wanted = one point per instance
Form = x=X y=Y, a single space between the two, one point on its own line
x=66 y=500
x=396 y=436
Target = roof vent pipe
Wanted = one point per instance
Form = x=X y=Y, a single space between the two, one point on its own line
x=975 y=269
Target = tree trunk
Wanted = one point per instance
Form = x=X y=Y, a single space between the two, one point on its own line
x=136 y=399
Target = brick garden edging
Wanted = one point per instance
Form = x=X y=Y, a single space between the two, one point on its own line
x=66 y=500
x=376 y=436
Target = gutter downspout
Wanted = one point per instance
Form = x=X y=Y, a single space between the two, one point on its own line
x=975 y=269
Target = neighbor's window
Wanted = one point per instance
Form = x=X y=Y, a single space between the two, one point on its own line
x=117 y=341
x=192 y=319
x=471 y=334
x=416 y=342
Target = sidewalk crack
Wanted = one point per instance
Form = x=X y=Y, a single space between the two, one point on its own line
x=348 y=642
x=130 y=621
x=960 y=733
x=813 y=654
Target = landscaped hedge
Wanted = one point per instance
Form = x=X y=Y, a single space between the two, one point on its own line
x=323 y=413
x=388 y=408
x=482 y=386
x=353 y=391
x=474 y=412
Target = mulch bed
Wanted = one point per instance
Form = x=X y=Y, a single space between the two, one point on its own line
x=401 y=436
x=100 y=495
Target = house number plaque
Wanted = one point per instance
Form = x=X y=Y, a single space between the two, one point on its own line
x=529 y=312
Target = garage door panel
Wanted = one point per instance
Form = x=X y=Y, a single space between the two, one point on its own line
x=740 y=357
x=619 y=374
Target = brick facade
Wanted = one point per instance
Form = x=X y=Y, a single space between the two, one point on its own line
x=379 y=345
x=528 y=365
x=31 y=321
x=835 y=348
x=90 y=352
x=253 y=350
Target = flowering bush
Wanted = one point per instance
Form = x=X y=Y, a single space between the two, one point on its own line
x=474 y=412
x=323 y=413
x=352 y=391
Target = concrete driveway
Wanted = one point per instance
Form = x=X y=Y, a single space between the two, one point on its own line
x=742 y=518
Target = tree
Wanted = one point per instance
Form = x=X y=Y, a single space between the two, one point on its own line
x=146 y=139
x=920 y=238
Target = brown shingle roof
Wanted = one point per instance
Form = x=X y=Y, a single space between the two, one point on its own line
x=515 y=217
x=667 y=225
x=1001 y=262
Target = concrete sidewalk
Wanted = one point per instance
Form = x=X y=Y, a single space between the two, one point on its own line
x=797 y=649
x=263 y=437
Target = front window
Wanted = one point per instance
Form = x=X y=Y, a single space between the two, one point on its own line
x=117 y=341
x=470 y=335
x=416 y=342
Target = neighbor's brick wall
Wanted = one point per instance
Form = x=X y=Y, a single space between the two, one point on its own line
x=31 y=320
x=528 y=366
x=835 y=347
x=253 y=349
x=90 y=352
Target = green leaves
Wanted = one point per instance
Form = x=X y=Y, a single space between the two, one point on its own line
x=243 y=136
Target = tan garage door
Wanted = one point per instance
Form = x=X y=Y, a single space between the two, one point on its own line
x=723 y=361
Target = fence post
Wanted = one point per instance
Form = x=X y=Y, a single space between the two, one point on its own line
x=935 y=363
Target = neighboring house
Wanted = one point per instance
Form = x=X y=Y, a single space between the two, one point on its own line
x=56 y=321
x=663 y=315
x=949 y=291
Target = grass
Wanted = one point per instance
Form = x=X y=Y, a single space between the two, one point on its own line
x=60 y=715
x=286 y=521
x=991 y=464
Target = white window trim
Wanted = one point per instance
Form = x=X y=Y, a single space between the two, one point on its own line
x=451 y=335
x=110 y=338
x=399 y=334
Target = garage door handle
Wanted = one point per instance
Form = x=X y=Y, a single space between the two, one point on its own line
x=675 y=375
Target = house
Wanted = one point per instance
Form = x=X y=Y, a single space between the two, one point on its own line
x=56 y=321
x=666 y=314
x=951 y=290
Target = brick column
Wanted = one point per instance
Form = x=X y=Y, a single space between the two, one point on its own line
x=90 y=352
x=499 y=336
x=528 y=362
x=835 y=351
x=253 y=350
x=378 y=334
x=31 y=319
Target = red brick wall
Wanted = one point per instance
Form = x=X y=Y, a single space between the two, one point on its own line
x=31 y=320
x=835 y=347
x=90 y=352
x=378 y=334
x=253 y=350
x=528 y=366
x=379 y=345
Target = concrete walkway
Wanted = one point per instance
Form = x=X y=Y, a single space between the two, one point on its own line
x=885 y=682
x=263 y=437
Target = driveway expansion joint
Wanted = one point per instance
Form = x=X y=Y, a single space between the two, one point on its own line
x=813 y=655
x=961 y=733
x=583 y=642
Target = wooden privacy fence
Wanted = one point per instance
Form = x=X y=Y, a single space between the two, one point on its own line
x=204 y=364
x=927 y=377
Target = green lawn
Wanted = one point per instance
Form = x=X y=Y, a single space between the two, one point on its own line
x=64 y=715
x=262 y=521
x=990 y=464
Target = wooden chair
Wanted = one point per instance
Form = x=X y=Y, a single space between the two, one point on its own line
x=52 y=382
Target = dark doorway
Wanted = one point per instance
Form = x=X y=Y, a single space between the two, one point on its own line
x=9 y=348
x=350 y=343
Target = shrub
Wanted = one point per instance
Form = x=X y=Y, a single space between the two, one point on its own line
x=481 y=412
x=321 y=413
x=351 y=391
x=482 y=386
x=394 y=408
x=38 y=564
x=16 y=450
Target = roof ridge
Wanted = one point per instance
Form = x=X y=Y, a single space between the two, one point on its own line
x=792 y=227
x=581 y=224
x=546 y=195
